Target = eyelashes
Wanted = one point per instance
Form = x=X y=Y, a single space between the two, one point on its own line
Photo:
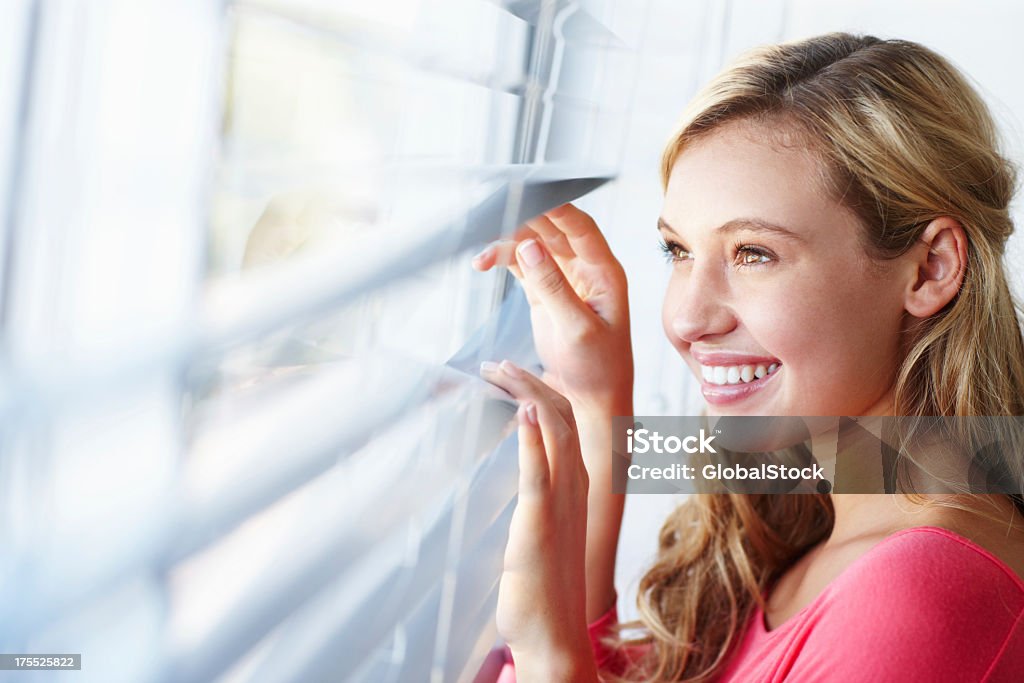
x=744 y=255
x=672 y=250
x=753 y=255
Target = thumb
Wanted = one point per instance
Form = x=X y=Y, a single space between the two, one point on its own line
x=544 y=281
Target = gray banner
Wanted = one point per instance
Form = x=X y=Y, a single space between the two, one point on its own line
x=47 y=662
x=741 y=454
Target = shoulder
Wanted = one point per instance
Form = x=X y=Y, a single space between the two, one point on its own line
x=933 y=562
x=935 y=577
x=925 y=597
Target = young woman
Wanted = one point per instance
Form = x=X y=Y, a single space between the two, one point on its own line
x=838 y=208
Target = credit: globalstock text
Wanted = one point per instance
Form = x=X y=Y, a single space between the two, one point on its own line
x=650 y=441
x=726 y=472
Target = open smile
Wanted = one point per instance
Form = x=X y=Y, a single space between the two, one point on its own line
x=737 y=386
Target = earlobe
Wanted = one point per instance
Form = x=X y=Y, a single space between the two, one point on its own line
x=940 y=262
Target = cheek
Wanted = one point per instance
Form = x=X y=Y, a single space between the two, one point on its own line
x=830 y=335
x=783 y=328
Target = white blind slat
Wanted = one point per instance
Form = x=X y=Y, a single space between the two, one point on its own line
x=419 y=50
x=311 y=284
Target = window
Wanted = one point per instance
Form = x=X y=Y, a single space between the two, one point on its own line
x=243 y=432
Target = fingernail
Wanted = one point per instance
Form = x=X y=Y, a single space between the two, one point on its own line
x=483 y=252
x=510 y=368
x=531 y=252
x=531 y=413
x=488 y=367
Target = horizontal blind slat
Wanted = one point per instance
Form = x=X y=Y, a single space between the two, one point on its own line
x=360 y=37
x=304 y=287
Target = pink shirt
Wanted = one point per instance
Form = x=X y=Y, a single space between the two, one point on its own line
x=924 y=604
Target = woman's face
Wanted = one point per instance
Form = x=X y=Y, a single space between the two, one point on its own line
x=773 y=302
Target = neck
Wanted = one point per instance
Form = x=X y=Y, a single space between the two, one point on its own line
x=863 y=515
x=867 y=514
x=870 y=514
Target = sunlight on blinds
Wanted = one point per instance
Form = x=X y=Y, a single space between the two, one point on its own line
x=243 y=434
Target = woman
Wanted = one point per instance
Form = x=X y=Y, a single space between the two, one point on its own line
x=835 y=207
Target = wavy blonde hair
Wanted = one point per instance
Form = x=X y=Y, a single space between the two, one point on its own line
x=902 y=138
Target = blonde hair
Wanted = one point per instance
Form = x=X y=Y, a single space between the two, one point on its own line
x=902 y=139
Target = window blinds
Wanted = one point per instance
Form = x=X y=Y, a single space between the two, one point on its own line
x=243 y=436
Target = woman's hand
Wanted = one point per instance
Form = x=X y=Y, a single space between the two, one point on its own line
x=542 y=597
x=580 y=314
x=578 y=305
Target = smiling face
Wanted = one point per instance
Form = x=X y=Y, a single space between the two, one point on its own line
x=773 y=302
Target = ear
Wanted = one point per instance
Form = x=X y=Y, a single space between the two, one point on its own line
x=938 y=263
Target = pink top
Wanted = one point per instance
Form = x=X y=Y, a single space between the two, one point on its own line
x=924 y=604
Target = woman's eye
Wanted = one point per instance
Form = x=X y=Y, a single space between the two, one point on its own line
x=747 y=255
x=675 y=252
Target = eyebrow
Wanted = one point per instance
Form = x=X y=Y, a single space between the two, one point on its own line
x=737 y=224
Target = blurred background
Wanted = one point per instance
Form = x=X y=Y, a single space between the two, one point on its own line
x=241 y=432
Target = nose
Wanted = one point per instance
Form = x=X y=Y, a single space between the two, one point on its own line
x=697 y=307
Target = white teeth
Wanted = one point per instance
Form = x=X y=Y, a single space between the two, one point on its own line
x=735 y=374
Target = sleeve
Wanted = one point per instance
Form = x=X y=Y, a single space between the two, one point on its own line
x=608 y=659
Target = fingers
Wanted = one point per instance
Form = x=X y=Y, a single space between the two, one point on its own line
x=503 y=252
x=499 y=253
x=534 y=474
x=554 y=421
x=545 y=282
x=523 y=232
x=525 y=386
x=567 y=233
x=578 y=229
x=555 y=240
